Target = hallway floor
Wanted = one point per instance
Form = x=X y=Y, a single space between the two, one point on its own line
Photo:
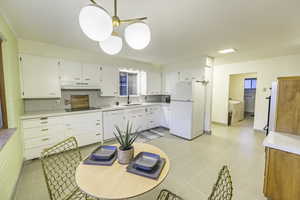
x=194 y=165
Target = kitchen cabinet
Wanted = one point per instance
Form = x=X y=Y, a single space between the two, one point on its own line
x=288 y=105
x=153 y=83
x=282 y=176
x=86 y=128
x=41 y=133
x=137 y=117
x=154 y=116
x=165 y=116
x=110 y=81
x=91 y=75
x=111 y=119
x=171 y=79
x=39 y=77
x=76 y=75
x=70 y=73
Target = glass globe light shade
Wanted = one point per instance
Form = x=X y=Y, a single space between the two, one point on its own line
x=113 y=45
x=95 y=22
x=138 y=35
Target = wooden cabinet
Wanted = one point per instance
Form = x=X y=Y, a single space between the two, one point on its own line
x=282 y=175
x=39 y=77
x=288 y=105
x=70 y=73
x=110 y=81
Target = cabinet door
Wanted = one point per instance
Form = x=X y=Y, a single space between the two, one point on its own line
x=39 y=77
x=110 y=120
x=91 y=75
x=288 y=109
x=110 y=81
x=70 y=73
x=165 y=117
x=171 y=79
x=153 y=83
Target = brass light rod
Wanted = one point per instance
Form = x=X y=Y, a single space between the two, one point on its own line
x=133 y=20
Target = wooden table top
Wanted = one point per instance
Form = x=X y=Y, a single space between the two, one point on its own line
x=113 y=182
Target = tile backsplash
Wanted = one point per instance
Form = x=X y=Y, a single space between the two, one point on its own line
x=37 y=105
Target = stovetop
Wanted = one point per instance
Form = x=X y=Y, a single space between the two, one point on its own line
x=80 y=109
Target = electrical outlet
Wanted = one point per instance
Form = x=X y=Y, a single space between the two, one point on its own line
x=58 y=101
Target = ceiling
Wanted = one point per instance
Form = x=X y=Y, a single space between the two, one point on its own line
x=180 y=29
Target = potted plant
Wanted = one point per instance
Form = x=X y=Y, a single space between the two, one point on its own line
x=125 y=139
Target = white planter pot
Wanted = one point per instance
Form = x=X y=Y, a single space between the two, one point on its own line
x=124 y=157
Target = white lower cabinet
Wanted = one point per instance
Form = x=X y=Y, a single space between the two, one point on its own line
x=165 y=116
x=41 y=133
x=111 y=119
x=154 y=116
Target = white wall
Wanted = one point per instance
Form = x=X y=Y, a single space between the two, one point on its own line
x=267 y=71
x=50 y=50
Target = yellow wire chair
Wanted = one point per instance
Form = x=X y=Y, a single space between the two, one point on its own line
x=222 y=189
x=59 y=164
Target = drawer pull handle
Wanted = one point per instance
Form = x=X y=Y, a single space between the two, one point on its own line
x=44 y=129
x=43 y=118
x=98 y=134
x=45 y=139
x=98 y=124
x=44 y=122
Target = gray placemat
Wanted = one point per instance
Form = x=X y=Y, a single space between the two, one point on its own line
x=154 y=174
x=90 y=161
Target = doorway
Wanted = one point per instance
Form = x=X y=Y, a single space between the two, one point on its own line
x=241 y=104
x=249 y=97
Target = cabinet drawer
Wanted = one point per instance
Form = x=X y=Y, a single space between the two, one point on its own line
x=44 y=141
x=35 y=132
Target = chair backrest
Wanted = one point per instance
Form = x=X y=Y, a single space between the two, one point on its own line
x=167 y=195
x=222 y=189
x=59 y=164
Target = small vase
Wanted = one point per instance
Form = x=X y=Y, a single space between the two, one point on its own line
x=124 y=157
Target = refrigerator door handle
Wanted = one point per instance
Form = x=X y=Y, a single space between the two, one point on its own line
x=178 y=100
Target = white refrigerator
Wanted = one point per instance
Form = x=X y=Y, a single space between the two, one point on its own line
x=188 y=109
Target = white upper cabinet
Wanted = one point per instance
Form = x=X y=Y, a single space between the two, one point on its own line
x=39 y=77
x=153 y=83
x=70 y=73
x=110 y=81
x=91 y=75
x=77 y=75
x=171 y=78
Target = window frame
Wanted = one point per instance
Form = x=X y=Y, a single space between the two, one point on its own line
x=251 y=83
x=2 y=90
x=127 y=85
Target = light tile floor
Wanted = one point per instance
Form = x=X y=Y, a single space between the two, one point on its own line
x=194 y=165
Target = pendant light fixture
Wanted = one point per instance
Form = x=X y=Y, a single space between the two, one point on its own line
x=98 y=25
x=112 y=45
x=95 y=22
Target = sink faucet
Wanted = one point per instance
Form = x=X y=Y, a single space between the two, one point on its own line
x=128 y=98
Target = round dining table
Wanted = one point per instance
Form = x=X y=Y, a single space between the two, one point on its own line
x=114 y=182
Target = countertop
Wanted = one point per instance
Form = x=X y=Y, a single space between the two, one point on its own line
x=283 y=141
x=32 y=115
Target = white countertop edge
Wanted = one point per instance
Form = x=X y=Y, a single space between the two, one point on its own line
x=105 y=109
x=283 y=141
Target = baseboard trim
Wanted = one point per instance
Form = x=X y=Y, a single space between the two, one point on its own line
x=219 y=123
x=13 y=195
